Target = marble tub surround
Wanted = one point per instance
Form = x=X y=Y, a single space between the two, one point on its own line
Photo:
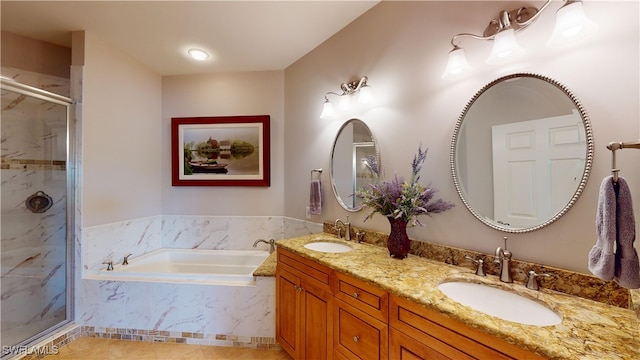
x=111 y=242
x=214 y=311
x=564 y=281
x=247 y=311
x=589 y=330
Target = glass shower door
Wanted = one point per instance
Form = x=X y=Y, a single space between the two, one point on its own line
x=35 y=254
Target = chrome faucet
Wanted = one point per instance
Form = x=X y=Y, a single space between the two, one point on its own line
x=109 y=265
x=125 y=261
x=532 y=282
x=347 y=228
x=271 y=243
x=503 y=258
x=479 y=265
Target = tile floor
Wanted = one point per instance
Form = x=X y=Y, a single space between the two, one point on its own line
x=90 y=348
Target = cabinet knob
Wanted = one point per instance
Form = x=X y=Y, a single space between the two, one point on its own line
x=356 y=338
x=355 y=295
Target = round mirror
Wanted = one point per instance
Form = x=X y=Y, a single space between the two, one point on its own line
x=521 y=152
x=353 y=147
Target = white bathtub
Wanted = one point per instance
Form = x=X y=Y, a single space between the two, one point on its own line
x=206 y=267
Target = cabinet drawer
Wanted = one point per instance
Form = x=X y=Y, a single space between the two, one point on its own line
x=311 y=272
x=363 y=296
x=428 y=326
x=358 y=335
x=404 y=347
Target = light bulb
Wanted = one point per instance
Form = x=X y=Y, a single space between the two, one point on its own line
x=505 y=48
x=366 y=95
x=457 y=65
x=327 y=110
x=345 y=102
x=198 y=54
x=572 y=26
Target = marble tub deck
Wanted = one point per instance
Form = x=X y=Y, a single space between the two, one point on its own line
x=589 y=330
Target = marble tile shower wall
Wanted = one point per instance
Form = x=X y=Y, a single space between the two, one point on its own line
x=213 y=312
x=33 y=245
x=50 y=83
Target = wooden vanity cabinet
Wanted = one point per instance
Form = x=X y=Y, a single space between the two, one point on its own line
x=324 y=314
x=421 y=333
x=360 y=322
x=304 y=307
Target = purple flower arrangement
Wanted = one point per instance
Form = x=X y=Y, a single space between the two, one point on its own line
x=401 y=199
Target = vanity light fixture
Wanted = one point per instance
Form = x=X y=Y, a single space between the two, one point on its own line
x=361 y=87
x=198 y=54
x=572 y=26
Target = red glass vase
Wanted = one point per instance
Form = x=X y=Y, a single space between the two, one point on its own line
x=398 y=241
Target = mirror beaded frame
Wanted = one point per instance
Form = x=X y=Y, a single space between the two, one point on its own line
x=588 y=156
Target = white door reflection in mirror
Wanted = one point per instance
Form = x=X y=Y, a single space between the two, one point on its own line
x=532 y=161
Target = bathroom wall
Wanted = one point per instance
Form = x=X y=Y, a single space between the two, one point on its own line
x=121 y=136
x=37 y=57
x=226 y=94
x=402 y=47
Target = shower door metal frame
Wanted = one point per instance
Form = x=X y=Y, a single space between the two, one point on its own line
x=14 y=86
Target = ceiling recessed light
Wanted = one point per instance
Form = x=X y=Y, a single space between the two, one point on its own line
x=198 y=54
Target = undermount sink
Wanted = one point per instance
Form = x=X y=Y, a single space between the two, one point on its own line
x=500 y=303
x=328 y=247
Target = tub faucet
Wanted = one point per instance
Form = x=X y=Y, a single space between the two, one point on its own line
x=271 y=243
x=347 y=228
x=125 y=261
x=503 y=258
x=109 y=265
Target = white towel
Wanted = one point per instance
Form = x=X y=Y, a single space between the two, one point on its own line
x=315 y=197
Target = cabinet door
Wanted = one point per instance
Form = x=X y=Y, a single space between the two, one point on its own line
x=288 y=312
x=358 y=335
x=317 y=323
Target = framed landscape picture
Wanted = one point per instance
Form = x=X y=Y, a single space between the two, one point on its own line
x=220 y=151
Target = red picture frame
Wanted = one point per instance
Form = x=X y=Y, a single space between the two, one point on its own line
x=220 y=151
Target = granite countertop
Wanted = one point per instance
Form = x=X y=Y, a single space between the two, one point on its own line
x=589 y=330
x=268 y=267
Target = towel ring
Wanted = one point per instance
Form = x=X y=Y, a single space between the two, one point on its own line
x=318 y=171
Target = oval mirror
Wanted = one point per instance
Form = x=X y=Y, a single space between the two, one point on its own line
x=354 y=145
x=521 y=152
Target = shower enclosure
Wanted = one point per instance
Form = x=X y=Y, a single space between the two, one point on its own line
x=37 y=194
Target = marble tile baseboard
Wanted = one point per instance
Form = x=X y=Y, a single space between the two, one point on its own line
x=49 y=347
x=223 y=340
x=253 y=342
x=564 y=281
